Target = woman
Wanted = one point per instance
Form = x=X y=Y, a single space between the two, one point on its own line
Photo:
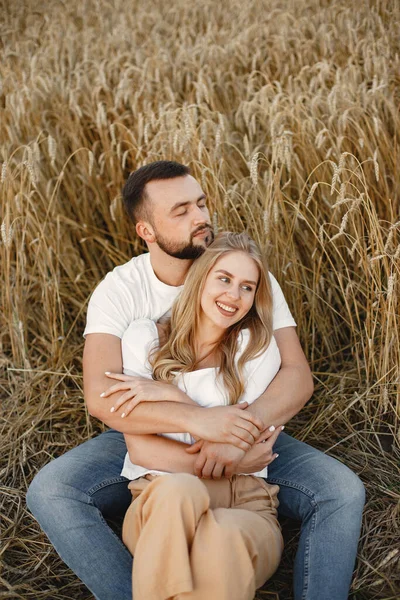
x=192 y=538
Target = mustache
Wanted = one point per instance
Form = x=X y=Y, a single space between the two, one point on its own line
x=202 y=228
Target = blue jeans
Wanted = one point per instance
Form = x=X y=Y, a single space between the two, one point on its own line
x=73 y=495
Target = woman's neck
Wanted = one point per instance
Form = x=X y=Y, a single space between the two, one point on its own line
x=206 y=342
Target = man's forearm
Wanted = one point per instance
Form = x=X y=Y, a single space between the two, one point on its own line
x=285 y=396
x=159 y=453
x=152 y=417
x=147 y=417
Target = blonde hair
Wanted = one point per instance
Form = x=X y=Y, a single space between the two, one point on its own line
x=178 y=354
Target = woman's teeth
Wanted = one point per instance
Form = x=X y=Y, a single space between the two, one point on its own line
x=225 y=307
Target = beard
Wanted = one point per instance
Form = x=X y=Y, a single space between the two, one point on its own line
x=186 y=250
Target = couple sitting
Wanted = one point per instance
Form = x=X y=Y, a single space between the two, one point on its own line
x=199 y=394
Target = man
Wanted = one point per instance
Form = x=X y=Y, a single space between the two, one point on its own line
x=72 y=495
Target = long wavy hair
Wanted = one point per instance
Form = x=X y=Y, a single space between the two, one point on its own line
x=177 y=354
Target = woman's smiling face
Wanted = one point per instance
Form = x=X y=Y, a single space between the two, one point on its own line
x=229 y=289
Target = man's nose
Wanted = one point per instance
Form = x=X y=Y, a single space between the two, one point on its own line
x=200 y=216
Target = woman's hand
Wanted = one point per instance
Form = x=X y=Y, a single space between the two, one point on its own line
x=223 y=460
x=227 y=424
x=141 y=389
x=261 y=454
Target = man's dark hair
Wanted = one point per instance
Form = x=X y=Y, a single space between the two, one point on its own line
x=133 y=192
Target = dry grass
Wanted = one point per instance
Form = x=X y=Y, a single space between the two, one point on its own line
x=287 y=112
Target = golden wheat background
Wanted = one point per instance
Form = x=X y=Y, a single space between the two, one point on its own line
x=287 y=112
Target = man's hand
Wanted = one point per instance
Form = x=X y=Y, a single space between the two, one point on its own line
x=217 y=460
x=227 y=424
x=142 y=389
x=214 y=459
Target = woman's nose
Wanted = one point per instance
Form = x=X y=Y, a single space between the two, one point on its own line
x=233 y=292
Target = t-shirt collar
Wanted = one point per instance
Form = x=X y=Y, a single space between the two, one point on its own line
x=156 y=283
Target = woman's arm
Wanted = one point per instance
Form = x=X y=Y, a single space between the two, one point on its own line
x=164 y=454
x=160 y=453
x=230 y=424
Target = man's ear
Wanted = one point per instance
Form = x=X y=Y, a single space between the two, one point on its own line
x=145 y=231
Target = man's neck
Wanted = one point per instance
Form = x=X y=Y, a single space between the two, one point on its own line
x=171 y=271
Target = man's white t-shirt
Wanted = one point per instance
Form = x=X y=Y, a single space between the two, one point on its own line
x=132 y=291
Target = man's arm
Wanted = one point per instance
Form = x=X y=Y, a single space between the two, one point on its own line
x=291 y=388
x=159 y=453
x=163 y=454
x=231 y=424
x=102 y=352
x=285 y=396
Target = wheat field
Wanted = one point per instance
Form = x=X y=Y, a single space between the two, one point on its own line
x=287 y=112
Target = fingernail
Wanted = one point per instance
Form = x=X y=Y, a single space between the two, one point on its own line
x=107 y=373
x=272 y=428
x=112 y=409
x=276 y=455
x=102 y=395
x=123 y=415
x=282 y=428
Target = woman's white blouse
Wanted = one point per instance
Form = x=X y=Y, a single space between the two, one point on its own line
x=203 y=386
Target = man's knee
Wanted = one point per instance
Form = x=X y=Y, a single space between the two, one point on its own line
x=49 y=488
x=40 y=490
x=351 y=490
x=343 y=486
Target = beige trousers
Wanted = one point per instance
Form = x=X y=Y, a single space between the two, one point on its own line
x=196 y=539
